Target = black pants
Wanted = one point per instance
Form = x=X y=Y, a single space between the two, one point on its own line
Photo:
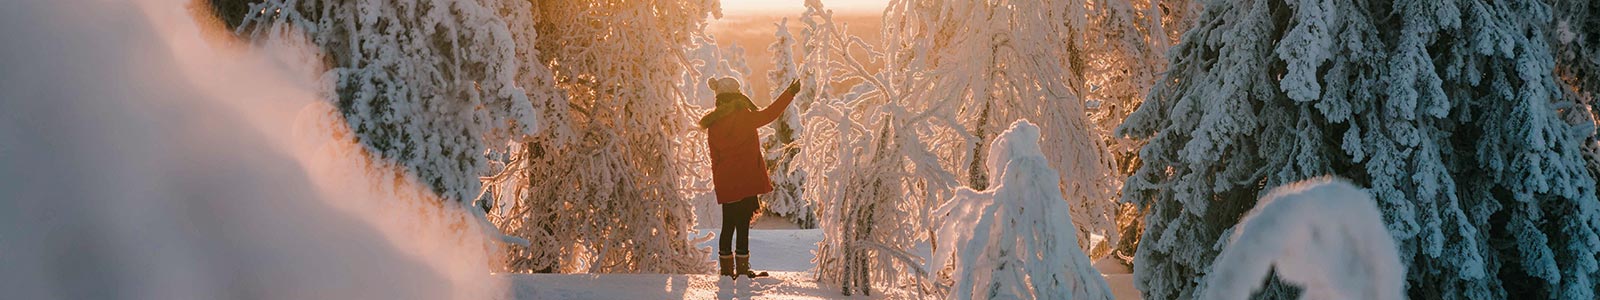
x=736 y=223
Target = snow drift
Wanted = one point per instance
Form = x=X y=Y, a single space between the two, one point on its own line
x=1324 y=235
x=1015 y=240
x=139 y=162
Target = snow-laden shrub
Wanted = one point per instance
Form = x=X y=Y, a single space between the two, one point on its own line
x=1323 y=235
x=1016 y=239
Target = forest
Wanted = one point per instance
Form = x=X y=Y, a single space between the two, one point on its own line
x=994 y=149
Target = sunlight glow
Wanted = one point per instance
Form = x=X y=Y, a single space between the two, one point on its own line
x=735 y=7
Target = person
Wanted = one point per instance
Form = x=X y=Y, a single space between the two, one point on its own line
x=738 y=169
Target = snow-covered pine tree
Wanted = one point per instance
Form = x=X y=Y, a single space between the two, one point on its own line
x=989 y=63
x=1323 y=234
x=603 y=190
x=1446 y=111
x=781 y=148
x=1016 y=239
x=429 y=85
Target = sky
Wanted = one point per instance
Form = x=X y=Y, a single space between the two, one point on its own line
x=751 y=24
x=737 y=7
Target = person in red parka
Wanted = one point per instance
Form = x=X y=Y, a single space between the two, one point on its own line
x=738 y=169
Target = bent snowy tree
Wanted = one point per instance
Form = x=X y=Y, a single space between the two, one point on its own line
x=956 y=72
x=872 y=144
x=1016 y=239
x=602 y=189
x=1447 y=111
x=1323 y=235
x=985 y=64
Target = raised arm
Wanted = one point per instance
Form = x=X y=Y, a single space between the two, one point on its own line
x=772 y=112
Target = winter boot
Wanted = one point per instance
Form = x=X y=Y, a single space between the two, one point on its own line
x=743 y=263
x=725 y=265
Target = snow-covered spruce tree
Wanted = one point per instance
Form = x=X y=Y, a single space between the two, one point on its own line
x=603 y=189
x=1446 y=111
x=1322 y=234
x=781 y=148
x=429 y=85
x=1016 y=239
x=989 y=63
x=872 y=144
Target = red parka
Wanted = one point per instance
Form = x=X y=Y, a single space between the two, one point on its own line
x=737 y=167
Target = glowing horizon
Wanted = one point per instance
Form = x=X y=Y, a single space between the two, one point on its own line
x=736 y=7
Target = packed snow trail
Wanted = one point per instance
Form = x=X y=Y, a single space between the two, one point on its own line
x=781 y=285
x=787 y=253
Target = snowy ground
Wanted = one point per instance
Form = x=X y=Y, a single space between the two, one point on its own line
x=784 y=252
x=782 y=285
x=1119 y=277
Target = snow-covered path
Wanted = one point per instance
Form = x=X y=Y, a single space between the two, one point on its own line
x=782 y=285
x=786 y=253
x=777 y=249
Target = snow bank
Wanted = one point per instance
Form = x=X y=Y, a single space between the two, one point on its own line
x=1324 y=235
x=1015 y=240
x=139 y=162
